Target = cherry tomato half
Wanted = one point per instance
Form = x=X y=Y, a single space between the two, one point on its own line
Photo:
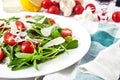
x=52 y=21
x=20 y=25
x=9 y=38
x=66 y=32
x=1 y=26
x=1 y=54
x=91 y=6
x=27 y=47
x=78 y=9
x=53 y=10
x=28 y=16
x=116 y=16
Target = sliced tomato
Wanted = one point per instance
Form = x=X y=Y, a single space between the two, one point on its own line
x=66 y=32
x=28 y=16
x=52 y=21
x=9 y=38
x=1 y=54
x=1 y=26
x=27 y=47
x=20 y=25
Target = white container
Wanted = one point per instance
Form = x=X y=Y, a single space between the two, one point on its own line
x=11 y=6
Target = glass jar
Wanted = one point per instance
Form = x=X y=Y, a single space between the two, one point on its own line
x=11 y=6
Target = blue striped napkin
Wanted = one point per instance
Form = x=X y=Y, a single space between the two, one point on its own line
x=103 y=38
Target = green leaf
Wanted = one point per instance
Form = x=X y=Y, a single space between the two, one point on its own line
x=55 y=33
x=13 y=19
x=7 y=21
x=35 y=65
x=22 y=55
x=17 y=48
x=68 y=39
x=38 y=17
x=73 y=44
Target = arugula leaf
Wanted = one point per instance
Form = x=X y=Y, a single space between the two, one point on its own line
x=35 y=65
x=38 y=17
x=55 y=33
x=2 y=31
x=7 y=21
x=73 y=44
x=13 y=19
x=22 y=55
x=36 y=24
x=68 y=39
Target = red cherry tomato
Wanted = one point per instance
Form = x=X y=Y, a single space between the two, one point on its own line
x=46 y=4
x=9 y=38
x=56 y=4
x=91 y=6
x=52 y=21
x=20 y=25
x=1 y=54
x=53 y=10
x=27 y=47
x=66 y=32
x=78 y=9
x=28 y=16
x=116 y=16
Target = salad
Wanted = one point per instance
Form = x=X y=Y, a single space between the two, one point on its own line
x=30 y=40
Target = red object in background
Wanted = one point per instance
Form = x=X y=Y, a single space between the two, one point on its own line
x=78 y=9
x=92 y=7
x=116 y=16
x=54 y=10
x=1 y=54
x=46 y=4
x=103 y=17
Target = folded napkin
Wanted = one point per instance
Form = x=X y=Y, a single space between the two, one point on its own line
x=102 y=60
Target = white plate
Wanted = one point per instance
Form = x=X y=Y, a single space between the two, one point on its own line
x=61 y=62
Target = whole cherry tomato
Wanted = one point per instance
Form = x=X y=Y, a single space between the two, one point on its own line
x=20 y=25
x=116 y=16
x=53 y=10
x=91 y=6
x=66 y=32
x=1 y=54
x=47 y=4
x=9 y=38
x=78 y=9
x=27 y=47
